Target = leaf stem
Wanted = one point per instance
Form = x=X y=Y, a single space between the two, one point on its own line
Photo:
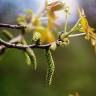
x=66 y=21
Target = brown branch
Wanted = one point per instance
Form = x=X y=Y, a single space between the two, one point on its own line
x=12 y=42
x=23 y=47
x=11 y=26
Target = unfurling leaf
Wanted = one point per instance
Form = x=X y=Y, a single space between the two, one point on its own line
x=85 y=27
x=51 y=67
x=55 y=6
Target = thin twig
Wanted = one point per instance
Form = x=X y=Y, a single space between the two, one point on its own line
x=76 y=35
x=66 y=21
x=14 y=40
x=11 y=26
x=23 y=47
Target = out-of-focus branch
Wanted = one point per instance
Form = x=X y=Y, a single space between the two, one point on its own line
x=12 y=42
x=11 y=26
x=23 y=47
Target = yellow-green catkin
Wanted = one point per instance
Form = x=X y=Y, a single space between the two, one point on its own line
x=50 y=68
x=30 y=54
x=27 y=59
x=32 y=57
x=7 y=34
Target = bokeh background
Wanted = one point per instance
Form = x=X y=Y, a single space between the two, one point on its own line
x=75 y=64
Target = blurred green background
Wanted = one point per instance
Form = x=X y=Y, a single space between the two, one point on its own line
x=75 y=70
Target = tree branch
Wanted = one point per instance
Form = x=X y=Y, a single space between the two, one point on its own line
x=11 y=26
x=23 y=47
x=12 y=42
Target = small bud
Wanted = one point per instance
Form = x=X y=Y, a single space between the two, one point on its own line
x=53 y=46
x=60 y=43
x=36 y=36
x=52 y=7
x=66 y=41
x=66 y=9
x=62 y=36
x=87 y=37
x=55 y=6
